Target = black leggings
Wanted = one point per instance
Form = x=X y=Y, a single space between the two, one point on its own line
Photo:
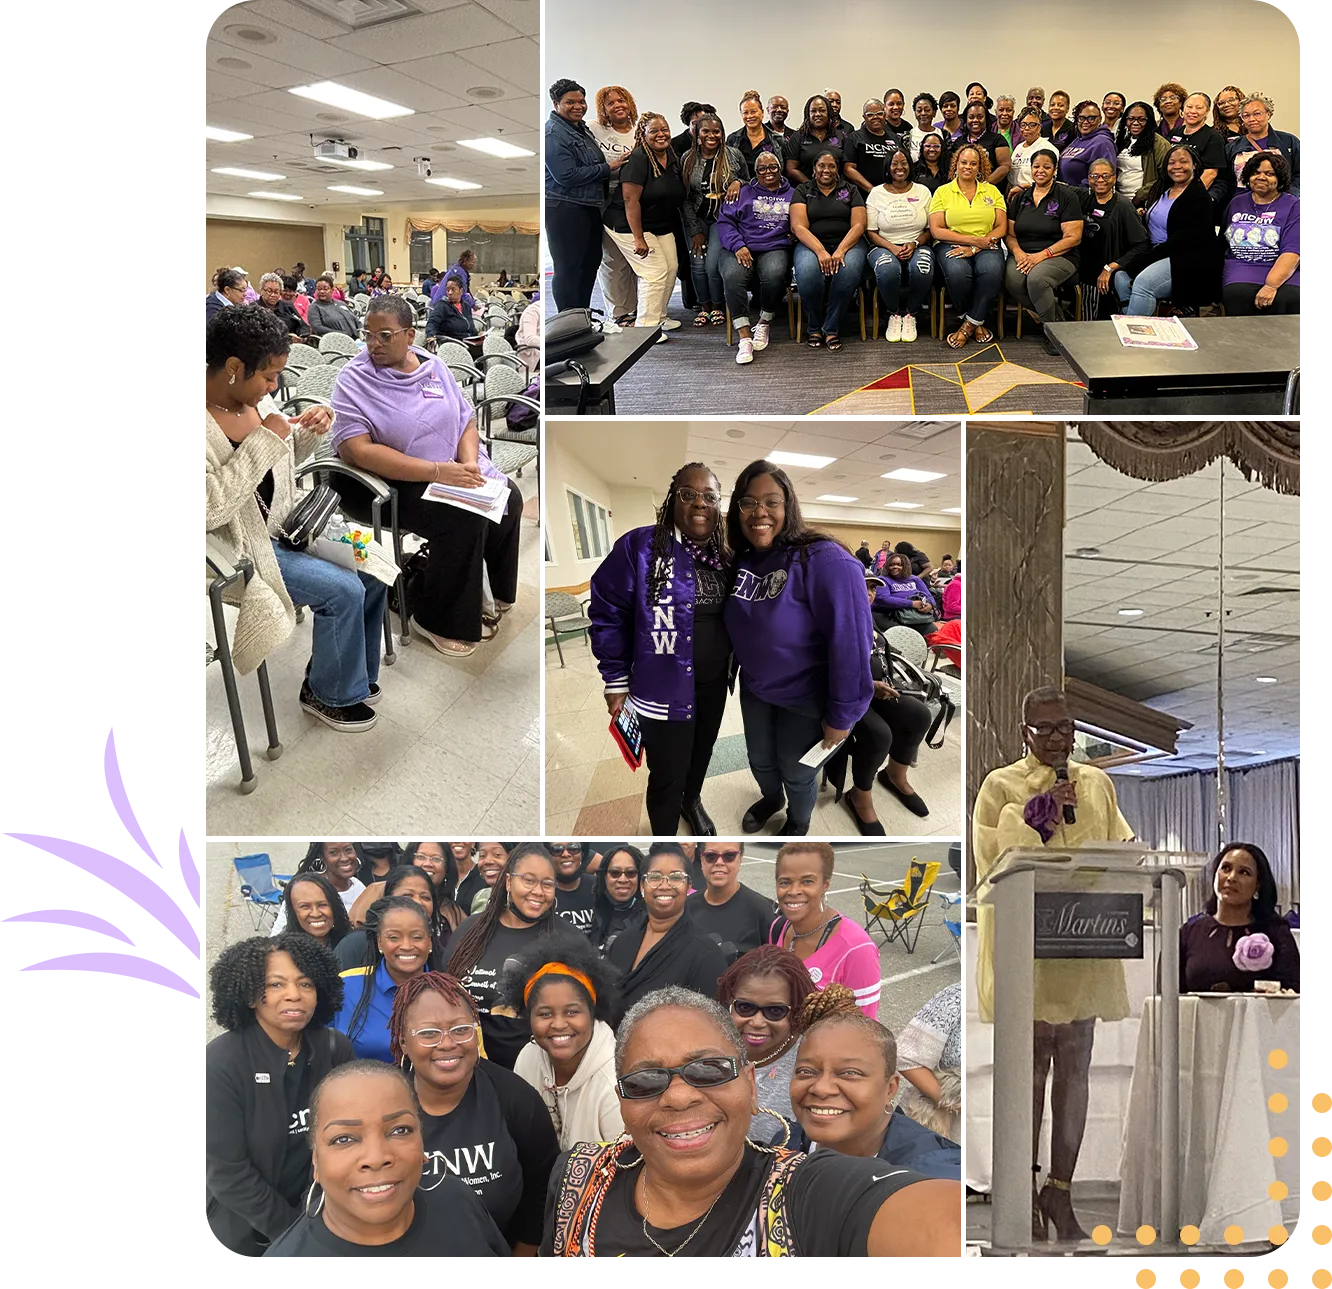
x=1238 y=299
x=891 y=727
x=678 y=753
x=573 y=234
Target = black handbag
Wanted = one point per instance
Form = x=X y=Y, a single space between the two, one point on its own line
x=569 y=333
x=413 y=578
x=309 y=517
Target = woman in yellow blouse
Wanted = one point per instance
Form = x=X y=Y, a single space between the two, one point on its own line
x=1022 y=805
x=968 y=216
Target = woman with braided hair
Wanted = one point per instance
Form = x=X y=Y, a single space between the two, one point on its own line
x=358 y=948
x=643 y=215
x=480 y=1122
x=712 y=172
x=660 y=643
x=521 y=909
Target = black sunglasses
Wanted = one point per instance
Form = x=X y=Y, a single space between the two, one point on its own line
x=704 y=1072
x=773 y=1012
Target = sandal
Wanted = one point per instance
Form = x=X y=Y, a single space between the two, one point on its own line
x=815 y=340
x=626 y=320
x=984 y=336
x=962 y=335
x=833 y=343
x=490 y=625
x=717 y=318
x=702 y=320
x=501 y=608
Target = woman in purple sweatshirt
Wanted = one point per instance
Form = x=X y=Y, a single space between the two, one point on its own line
x=798 y=620
x=1093 y=142
x=903 y=598
x=756 y=239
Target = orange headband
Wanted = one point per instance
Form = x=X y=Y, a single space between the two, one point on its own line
x=561 y=969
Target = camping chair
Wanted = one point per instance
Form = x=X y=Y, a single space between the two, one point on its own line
x=898 y=912
x=951 y=906
x=260 y=889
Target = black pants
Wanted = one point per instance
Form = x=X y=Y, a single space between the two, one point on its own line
x=678 y=753
x=573 y=234
x=449 y=603
x=891 y=727
x=885 y=618
x=1238 y=299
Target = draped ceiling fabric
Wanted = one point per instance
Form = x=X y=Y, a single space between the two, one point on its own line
x=465 y=224
x=1268 y=451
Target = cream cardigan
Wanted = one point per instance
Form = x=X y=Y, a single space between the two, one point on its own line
x=232 y=474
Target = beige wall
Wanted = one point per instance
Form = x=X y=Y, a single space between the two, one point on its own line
x=632 y=508
x=935 y=542
x=259 y=248
x=562 y=470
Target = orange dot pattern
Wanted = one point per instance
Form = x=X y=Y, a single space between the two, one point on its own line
x=1277 y=1279
x=1322 y=1234
x=1189 y=1235
x=1277 y=1147
x=1233 y=1234
x=1146 y=1234
x=1322 y=1147
x=1277 y=1235
x=1321 y=1191
x=1277 y=1103
x=1189 y=1279
x=1277 y=1059
x=1146 y=1279
x=1233 y=1278
x=1322 y=1103
x=1101 y=1234
x=1322 y=1279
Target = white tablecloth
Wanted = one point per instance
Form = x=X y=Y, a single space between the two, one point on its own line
x=1224 y=1122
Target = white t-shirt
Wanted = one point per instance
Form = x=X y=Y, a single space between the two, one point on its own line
x=1130 y=174
x=613 y=143
x=1019 y=174
x=900 y=217
x=913 y=143
x=348 y=898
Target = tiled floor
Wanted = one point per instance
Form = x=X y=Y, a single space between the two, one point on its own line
x=591 y=792
x=455 y=750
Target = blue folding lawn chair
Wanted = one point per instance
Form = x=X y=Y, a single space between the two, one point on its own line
x=952 y=919
x=260 y=888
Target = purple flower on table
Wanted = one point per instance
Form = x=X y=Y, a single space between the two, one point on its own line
x=1253 y=952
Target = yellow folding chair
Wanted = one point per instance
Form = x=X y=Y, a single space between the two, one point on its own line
x=898 y=912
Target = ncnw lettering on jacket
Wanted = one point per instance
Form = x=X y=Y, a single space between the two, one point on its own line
x=663 y=614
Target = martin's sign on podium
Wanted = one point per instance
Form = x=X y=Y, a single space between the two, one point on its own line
x=1087 y=924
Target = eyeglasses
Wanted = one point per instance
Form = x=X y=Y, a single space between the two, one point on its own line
x=529 y=883
x=720 y=856
x=385 y=337
x=1089 y=119
x=1044 y=730
x=1253 y=116
x=1136 y=120
x=433 y=1036
x=774 y=1012
x=622 y=873
x=1105 y=176
x=772 y=503
x=705 y=1072
x=430 y=859
x=565 y=848
x=676 y=878
x=689 y=496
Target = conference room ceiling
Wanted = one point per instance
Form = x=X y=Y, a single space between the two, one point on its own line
x=1157 y=559
x=468 y=68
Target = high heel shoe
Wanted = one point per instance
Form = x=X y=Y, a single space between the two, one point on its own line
x=1039 y=1232
x=1055 y=1202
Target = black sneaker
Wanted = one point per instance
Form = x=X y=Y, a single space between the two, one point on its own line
x=374 y=695
x=349 y=720
x=760 y=812
x=792 y=829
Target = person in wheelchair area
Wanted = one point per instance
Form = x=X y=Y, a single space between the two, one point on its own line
x=402 y=416
x=250 y=467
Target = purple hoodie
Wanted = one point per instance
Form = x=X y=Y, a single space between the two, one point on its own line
x=800 y=625
x=757 y=219
x=1077 y=156
x=897 y=593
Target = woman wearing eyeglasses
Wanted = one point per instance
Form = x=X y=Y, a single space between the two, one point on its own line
x=1142 y=153
x=736 y=918
x=521 y=908
x=568 y=994
x=1024 y=804
x=665 y=948
x=661 y=646
x=685 y=1182
x=616 y=898
x=480 y=1122
x=1093 y=142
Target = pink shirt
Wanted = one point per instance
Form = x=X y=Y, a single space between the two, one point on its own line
x=848 y=957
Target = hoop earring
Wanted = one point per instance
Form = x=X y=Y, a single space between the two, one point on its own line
x=786 y=1131
x=318 y=1207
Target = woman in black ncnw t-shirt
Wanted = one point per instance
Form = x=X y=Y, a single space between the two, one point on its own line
x=828 y=220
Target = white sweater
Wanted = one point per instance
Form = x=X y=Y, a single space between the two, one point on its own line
x=587 y=1107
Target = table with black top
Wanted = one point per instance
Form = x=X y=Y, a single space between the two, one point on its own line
x=605 y=364
x=1241 y=366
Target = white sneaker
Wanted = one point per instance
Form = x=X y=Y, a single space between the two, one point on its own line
x=909 y=327
x=609 y=327
x=661 y=339
x=894 y=331
x=669 y=324
x=761 y=335
x=746 y=354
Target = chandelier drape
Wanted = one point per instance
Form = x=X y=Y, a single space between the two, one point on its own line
x=1265 y=451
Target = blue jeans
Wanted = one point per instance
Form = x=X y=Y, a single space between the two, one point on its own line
x=891 y=274
x=771 y=271
x=705 y=270
x=824 y=312
x=973 y=282
x=348 y=613
x=776 y=738
x=1146 y=290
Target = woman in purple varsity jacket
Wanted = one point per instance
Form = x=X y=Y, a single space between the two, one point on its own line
x=799 y=621
x=659 y=640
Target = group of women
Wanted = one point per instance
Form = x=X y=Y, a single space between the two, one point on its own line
x=1123 y=198
x=484 y=1087
x=677 y=606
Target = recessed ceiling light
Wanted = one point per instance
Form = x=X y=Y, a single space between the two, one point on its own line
x=266 y=175
x=218 y=135
x=951 y=510
x=1087 y=552
x=275 y=196
x=832 y=496
x=800 y=458
x=334 y=117
x=735 y=434
x=1131 y=613
x=356 y=192
x=1266 y=680
x=251 y=35
x=461 y=184
x=234 y=64
x=911 y=476
x=350 y=100
x=359 y=164
x=484 y=91
x=903 y=505
x=495 y=148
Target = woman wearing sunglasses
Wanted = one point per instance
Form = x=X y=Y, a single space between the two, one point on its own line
x=568 y=993
x=686 y=1182
x=617 y=900
x=661 y=646
x=665 y=948
x=480 y=1122
x=574 y=895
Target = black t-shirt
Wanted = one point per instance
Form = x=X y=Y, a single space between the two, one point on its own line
x=500 y=1143
x=921 y=175
x=871 y=153
x=660 y=201
x=712 y=645
x=448 y=1222
x=265 y=489
x=831 y=1203
x=295 y=1178
x=468 y=888
x=504 y=1035
x=1210 y=149
x=804 y=149
x=829 y=217
x=736 y=927
x=1037 y=227
x=749 y=151
x=989 y=143
x=577 y=907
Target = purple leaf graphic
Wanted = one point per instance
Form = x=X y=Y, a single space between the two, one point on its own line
x=117 y=964
x=188 y=870
x=71 y=917
x=116 y=790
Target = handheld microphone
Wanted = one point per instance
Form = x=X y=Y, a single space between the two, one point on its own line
x=1061 y=776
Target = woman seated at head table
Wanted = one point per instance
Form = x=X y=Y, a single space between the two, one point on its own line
x=337 y=862
x=712 y=173
x=1208 y=146
x=1111 y=231
x=897 y=214
x=229 y=288
x=1044 y=231
x=843 y=1085
x=828 y=220
x=568 y=993
x=1226 y=110
x=664 y=948
x=979 y=132
x=251 y=453
x=617 y=899
x=969 y=215
x=925 y=107
x=1258 y=137
x=1240 y=938
x=815 y=136
x=1092 y=142
x=367 y=1199
x=686 y=1182
x=929 y=1058
x=1261 y=272
x=1183 y=261
x=479 y=1121
x=310 y=904
x=1142 y=154
x=756 y=241
x=274 y=998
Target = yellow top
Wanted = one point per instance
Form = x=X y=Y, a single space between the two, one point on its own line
x=974 y=218
x=1067 y=989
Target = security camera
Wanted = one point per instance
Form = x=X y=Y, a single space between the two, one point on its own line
x=422 y=167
